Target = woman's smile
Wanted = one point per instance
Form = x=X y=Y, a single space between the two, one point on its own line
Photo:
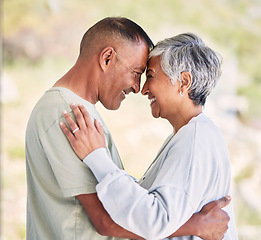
x=152 y=100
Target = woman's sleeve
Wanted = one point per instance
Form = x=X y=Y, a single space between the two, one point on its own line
x=154 y=214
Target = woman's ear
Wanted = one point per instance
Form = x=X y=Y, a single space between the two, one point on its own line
x=106 y=56
x=186 y=81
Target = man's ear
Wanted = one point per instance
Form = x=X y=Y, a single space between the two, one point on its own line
x=186 y=81
x=106 y=56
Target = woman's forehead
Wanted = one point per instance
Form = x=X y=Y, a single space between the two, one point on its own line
x=153 y=64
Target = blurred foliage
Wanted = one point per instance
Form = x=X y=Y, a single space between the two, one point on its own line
x=247 y=172
x=253 y=93
x=33 y=28
x=16 y=151
x=248 y=215
x=21 y=14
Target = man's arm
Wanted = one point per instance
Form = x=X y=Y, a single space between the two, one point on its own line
x=209 y=224
x=101 y=220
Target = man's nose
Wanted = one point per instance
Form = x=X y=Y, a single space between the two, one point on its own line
x=136 y=86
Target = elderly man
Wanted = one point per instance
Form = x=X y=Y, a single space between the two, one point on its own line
x=62 y=202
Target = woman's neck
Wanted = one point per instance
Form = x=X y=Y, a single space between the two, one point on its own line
x=182 y=118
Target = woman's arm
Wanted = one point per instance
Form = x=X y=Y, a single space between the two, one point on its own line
x=88 y=138
x=138 y=210
x=210 y=223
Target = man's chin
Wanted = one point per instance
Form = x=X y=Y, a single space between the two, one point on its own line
x=112 y=107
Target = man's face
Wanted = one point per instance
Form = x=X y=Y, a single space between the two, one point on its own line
x=128 y=64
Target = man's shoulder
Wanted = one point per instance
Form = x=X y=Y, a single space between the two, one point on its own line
x=48 y=109
x=51 y=101
x=65 y=97
x=59 y=99
x=54 y=101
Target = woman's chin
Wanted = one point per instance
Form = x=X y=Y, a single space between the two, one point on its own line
x=155 y=115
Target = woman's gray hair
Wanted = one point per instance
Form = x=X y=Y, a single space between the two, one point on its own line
x=187 y=52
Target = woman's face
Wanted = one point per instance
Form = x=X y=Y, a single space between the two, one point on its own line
x=163 y=95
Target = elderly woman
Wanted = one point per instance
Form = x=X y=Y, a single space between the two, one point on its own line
x=191 y=169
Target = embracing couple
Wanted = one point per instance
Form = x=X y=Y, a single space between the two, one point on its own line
x=180 y=196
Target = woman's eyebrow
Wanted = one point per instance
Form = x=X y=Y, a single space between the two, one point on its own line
x=149 y=70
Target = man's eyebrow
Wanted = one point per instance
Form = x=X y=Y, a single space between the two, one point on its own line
x=140 y=68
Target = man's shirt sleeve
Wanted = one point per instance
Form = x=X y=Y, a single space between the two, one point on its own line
x=73 y=176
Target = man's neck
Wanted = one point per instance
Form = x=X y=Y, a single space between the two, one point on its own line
x=80 y=83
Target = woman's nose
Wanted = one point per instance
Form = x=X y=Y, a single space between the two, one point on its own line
x=145 y=89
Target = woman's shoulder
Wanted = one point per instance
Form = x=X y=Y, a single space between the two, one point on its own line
x=199 y=129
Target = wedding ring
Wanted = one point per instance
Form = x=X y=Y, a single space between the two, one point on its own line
x=75 y=130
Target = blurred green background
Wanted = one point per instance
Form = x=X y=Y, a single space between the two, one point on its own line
x=40 y=40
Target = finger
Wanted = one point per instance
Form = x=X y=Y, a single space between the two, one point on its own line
x=224 y=201
x=79 y=116
x=69 y=120
x=67 y=132
x=98 y=126
x=86 y=116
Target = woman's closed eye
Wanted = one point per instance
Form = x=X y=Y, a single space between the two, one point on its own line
x=149 y=76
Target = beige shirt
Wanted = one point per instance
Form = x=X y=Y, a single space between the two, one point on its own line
x=55 y=175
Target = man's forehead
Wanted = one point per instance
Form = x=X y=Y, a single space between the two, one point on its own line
x=140 y=68
x=134 y=46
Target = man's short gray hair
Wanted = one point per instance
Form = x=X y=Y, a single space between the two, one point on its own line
x=187 y=52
